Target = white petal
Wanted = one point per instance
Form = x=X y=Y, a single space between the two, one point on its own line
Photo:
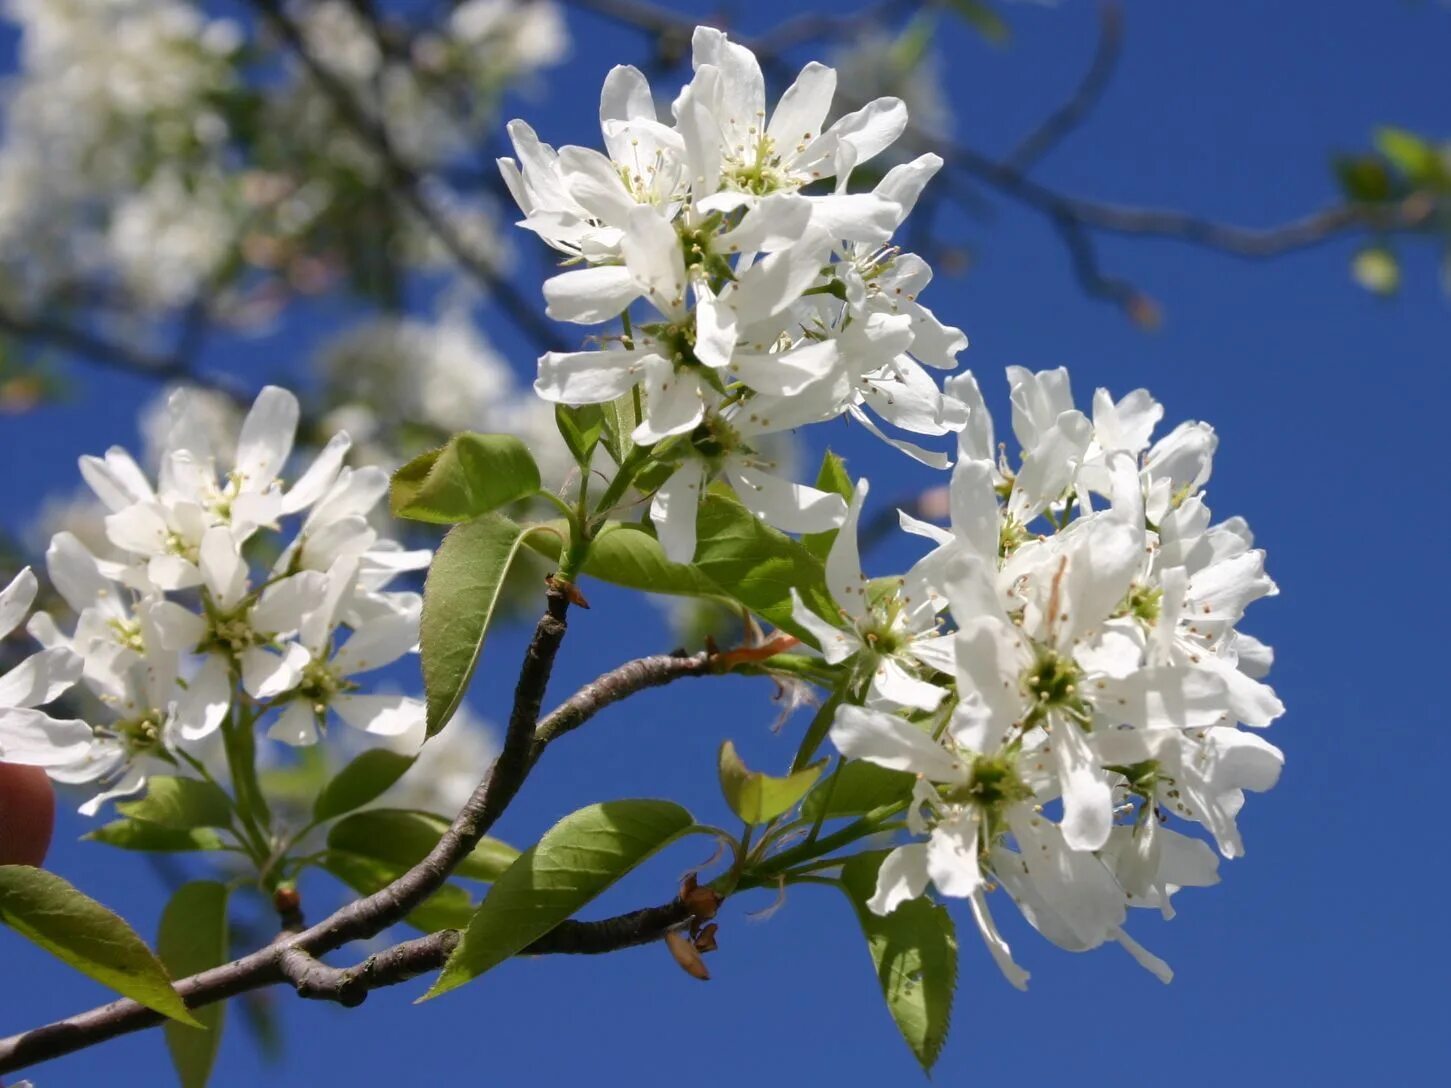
x=266 y=674
x=1001 y=953
x=381 y=715
x=674 y=509
x=891 y=742
x=903 y=876
x=40 y=678
x=296 y=725
x=836 y=644
x=36 y=739
x=952 y=856
x=588 y=296
x=802 y=109
x=319 y=477
x=282 y=605
x=139 y=528
x=673 y=403
x=208 y=695
x=872 y=128
x=893 y=686
x=266 y=439
x=1146 y=959
x=377 y=643
x=793 y=507
x=589 y=377
x=117 y=480
x=222 y=567
x=16 y=599
x=1087 y=797
x=844 y=576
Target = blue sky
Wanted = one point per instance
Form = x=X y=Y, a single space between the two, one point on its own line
x=1319 y=958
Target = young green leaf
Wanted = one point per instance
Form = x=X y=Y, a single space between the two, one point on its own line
x=139 y=835
x=833 y=477
x=915 y=952
x=363 y=780
x=402 y=838
x=74 y=928
x=759 y=798
x=628 y=555
x=620 y=419
x=816 y=732
x=193 y=938
x=580 y=425
x=181 y=804
x=980 y=15
x=576 y=860
x=756 y=564
x=448 y=908
x=459 y=597
x=857 y=788
x=473 y=474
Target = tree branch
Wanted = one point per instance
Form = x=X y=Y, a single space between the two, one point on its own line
x=1080 y=104
x=629 y=678
x=1077 y=218
x=295 y=958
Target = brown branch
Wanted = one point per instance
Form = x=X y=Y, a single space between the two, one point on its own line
x=1073 y=216
x=350 y=986
x=295 y=958
x=1081 y=103
x=629 y=678
x=114 y=354
x=408 y=185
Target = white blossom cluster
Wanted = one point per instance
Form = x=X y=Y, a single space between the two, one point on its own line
x=770 y=296
x=1088 y=693
x=210 y=614
x=139 y=155
x=1062 y=672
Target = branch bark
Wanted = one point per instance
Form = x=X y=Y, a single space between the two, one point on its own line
x=296 y=959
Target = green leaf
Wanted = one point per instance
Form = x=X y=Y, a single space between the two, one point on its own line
x=138 y=835
x=363 y=780
x=448 y=908
x=180 y=803
x=759 y=798
x=576 y=860
x=981 y=17
x=473 y=474
x=816 y=731
x=193 y=938
x=915 y=952
x=627 y=554
x=620 y=419
x=758 y=565
x=460 y=596
x=1364 y=178
x=858 y=787
x=74 y=928
x=580 y=425
x=833 y=477
x=402 y=837
x=1413 y=156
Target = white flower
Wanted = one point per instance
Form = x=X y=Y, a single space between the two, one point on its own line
x=28 y=734
x=892 y=635
x=323 y=680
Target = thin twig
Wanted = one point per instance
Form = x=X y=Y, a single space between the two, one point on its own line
x=1080 y=104
x=525 y=739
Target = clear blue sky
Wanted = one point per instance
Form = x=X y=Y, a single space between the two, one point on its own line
x=1320 y=958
